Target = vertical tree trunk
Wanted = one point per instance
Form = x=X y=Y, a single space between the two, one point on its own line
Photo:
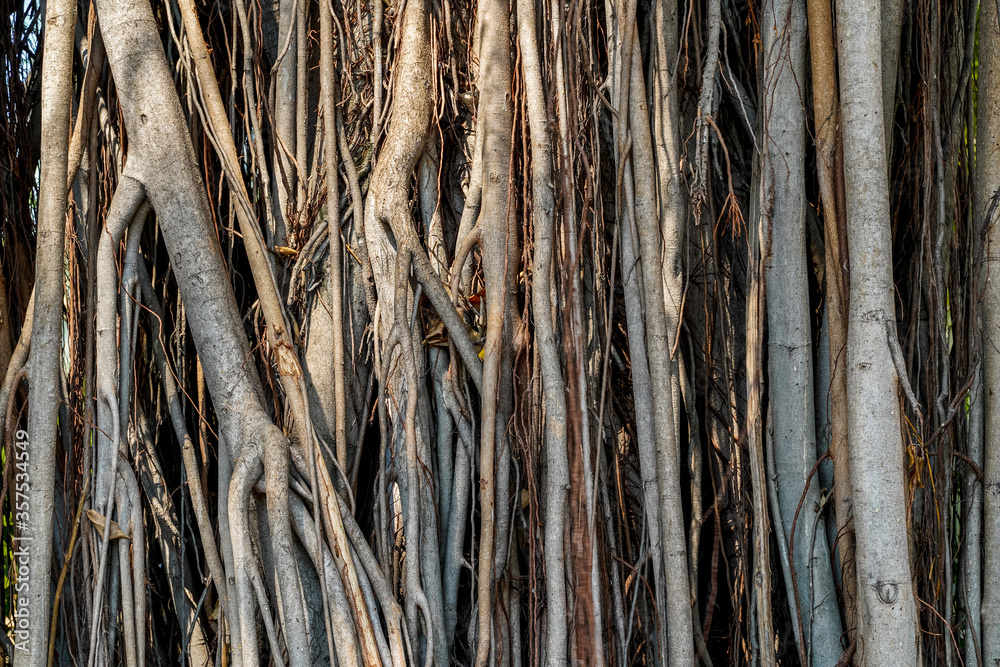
x=790 y=354
x=284 y=118
x=758 y=245
x=678 y=592
x=987 y=187
x=37 y=496
x=495 y=116
x=553 y=386
x=885 y=591
x=826 y=122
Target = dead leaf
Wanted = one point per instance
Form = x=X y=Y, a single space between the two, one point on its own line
x=97 y=519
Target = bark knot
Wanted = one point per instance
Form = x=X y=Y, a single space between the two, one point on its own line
x=888 y=591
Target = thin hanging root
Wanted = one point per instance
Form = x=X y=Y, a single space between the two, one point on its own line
x=465 y=248
x=373 y=609
x=454 y=553
x=342 y=622
x=137 y=532
x=126 y=336
x=553 y=387
x=124 y=504
x=265 y=608
x=439 y=298
x=327 y=79
x=339 y=546
x=88 y=96
x=124 y=206
x=194 y=475
x=391 y=611
x=67 y=558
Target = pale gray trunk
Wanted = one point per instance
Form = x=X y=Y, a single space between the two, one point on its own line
x=672 y=204
x=677 y=614
x=987 y=186
x=34 y=493
x=972 y=552
x=499 y=251
x=553 y=387
x=162 y=156
x=632 y=293
x=284 y=117
x=790 y=355
x=888 y=626
x=972 y=484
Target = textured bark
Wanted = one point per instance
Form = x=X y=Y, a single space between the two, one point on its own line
x=573 y=261
x=759 y=242
x=678 y=592
x=284 y=120
x=553 y=386
x=885 y=593
x=162 y=158
x=43 y=399
x=790 y=354
x=499 y=247
x=987 y=186
x=826 y=125
x=334 y=264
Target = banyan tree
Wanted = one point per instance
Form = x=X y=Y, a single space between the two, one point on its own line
x=500 y=333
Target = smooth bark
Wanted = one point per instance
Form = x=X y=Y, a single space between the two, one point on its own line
x=888 y=628
x=987 y=187
x=36 y=532
x=790 y=353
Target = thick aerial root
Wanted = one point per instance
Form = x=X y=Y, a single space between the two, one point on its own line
x=247 y=469
x=124 y=206
x=131 y=580
x=342 y=623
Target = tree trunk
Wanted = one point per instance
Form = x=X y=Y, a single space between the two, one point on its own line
x=888 y=625
x=34 y=500
x=987 y=187
x=790 y=354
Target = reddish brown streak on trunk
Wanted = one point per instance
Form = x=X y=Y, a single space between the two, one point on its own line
x=579 y=532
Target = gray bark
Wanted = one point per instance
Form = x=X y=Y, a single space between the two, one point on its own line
x=553 y=386
x=886 y=605
x=678 y=593
x=987 y=185
x=37 y=492
x=162 y=155
x=790 y=354
x=284 y=117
